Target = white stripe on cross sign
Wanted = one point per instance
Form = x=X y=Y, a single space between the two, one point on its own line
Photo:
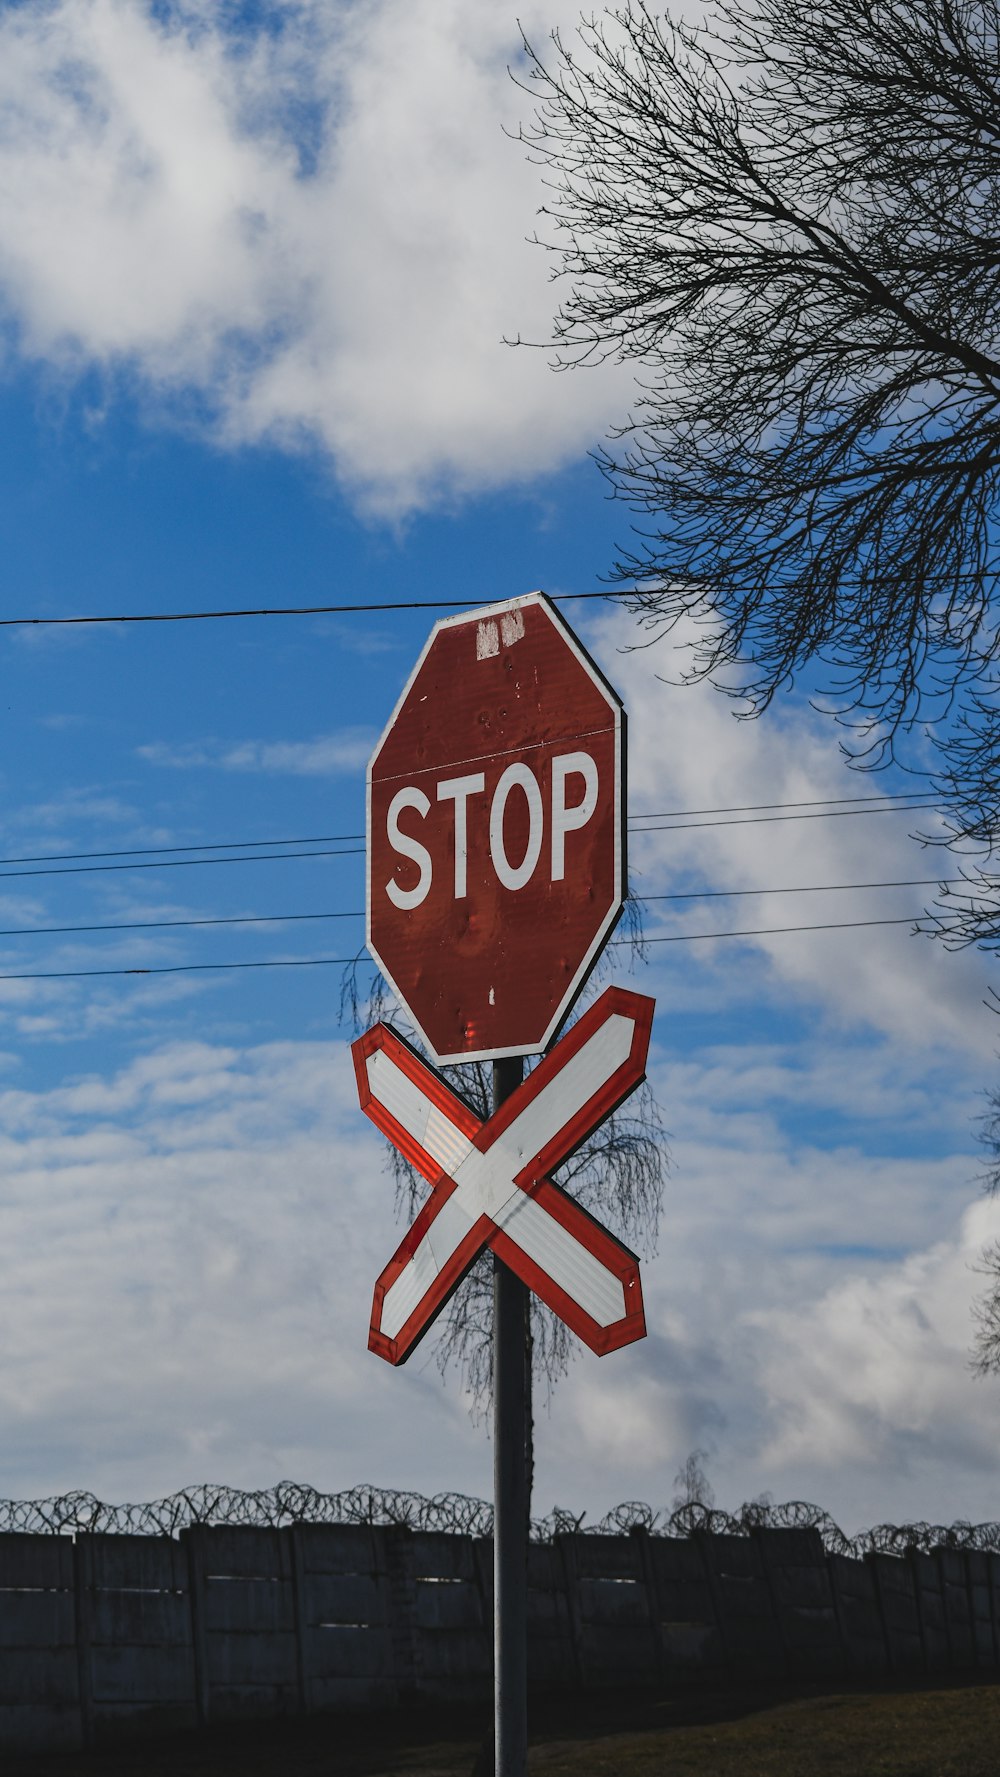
x=489 y=1179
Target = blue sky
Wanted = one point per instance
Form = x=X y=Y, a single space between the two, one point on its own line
x=253 y=290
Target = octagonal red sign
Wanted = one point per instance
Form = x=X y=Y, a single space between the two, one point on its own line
x=496 y=866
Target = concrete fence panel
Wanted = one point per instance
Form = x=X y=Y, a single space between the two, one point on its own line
x=39 y=1668
x=552 y=1665
x=454 y=1634
x=794 y=1562
x=134 y=1635
x=977 y=1567
x=957 y=1607
x=743 y=1605
x=929 y=1591
x=614 y=1631
x=855 y=1598
x=244 y=1615
x=896 y=1589
x=691 y=1644
x=343 y=1617
x=993 y=1581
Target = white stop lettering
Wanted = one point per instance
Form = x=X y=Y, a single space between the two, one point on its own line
x=565 y=817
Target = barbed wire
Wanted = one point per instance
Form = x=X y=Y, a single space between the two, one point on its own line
x=292 y=1502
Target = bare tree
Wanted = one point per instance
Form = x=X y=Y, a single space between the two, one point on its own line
x=618 y=1175
x=790 y=222
x=691 y=1483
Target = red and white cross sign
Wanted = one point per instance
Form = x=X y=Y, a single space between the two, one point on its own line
x=489 y=1179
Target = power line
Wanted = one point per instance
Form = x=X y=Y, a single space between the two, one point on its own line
x=807 y=888
x=316 y=962
x=150 y=851
x=165 y=925
x=672 y=814
x=762 y=819
x=359 y=609
x=353 y=610
x=837 y=925
x=182 y=863
x=263 y=919
x=299 y=962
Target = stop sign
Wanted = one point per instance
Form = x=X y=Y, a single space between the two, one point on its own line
x=496 y=863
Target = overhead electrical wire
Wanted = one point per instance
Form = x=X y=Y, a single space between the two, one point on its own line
x=263 y=919
x=351 y=610
x=164 y=857
x=895 y=802
x=836 y=925
x=148 y=851
x=257 y=851
x=676 y=814
x=290 y=962
x=362 y=609
x=805 y=888
x=275 y=857
x=165 y=925
x=756 y=820
x=317 y=962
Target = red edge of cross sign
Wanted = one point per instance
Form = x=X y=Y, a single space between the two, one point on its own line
x=479 y=1198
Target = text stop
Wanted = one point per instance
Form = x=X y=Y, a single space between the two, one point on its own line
x=514 y=819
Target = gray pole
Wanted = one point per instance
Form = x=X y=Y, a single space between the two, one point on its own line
x=510 y=1494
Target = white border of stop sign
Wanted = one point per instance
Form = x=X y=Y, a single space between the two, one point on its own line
x=573 y=798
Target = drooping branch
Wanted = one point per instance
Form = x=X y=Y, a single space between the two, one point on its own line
x=790 y=223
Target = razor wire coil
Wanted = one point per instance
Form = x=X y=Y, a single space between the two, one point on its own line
x=291 y=1502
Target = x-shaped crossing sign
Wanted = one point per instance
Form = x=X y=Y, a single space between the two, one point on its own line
x=490 y=1184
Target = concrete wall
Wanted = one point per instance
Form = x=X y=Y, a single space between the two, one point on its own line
x=105 y=1635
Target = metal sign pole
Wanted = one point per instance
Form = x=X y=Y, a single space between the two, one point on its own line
x=500 y=683
x=510 y=1494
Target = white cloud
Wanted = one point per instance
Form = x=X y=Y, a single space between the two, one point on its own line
x=188 y=1248
x=858 y=1394
x=326 y=756
x=809 y=1323
x=64 y=721
x=82 y=803
x=689 y=753
x=159 y=218
x=878 y=1367
x=186 y=1263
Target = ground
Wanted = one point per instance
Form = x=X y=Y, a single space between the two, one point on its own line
x=933 y=1730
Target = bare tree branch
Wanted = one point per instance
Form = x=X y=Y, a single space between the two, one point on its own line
x=790 y=222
